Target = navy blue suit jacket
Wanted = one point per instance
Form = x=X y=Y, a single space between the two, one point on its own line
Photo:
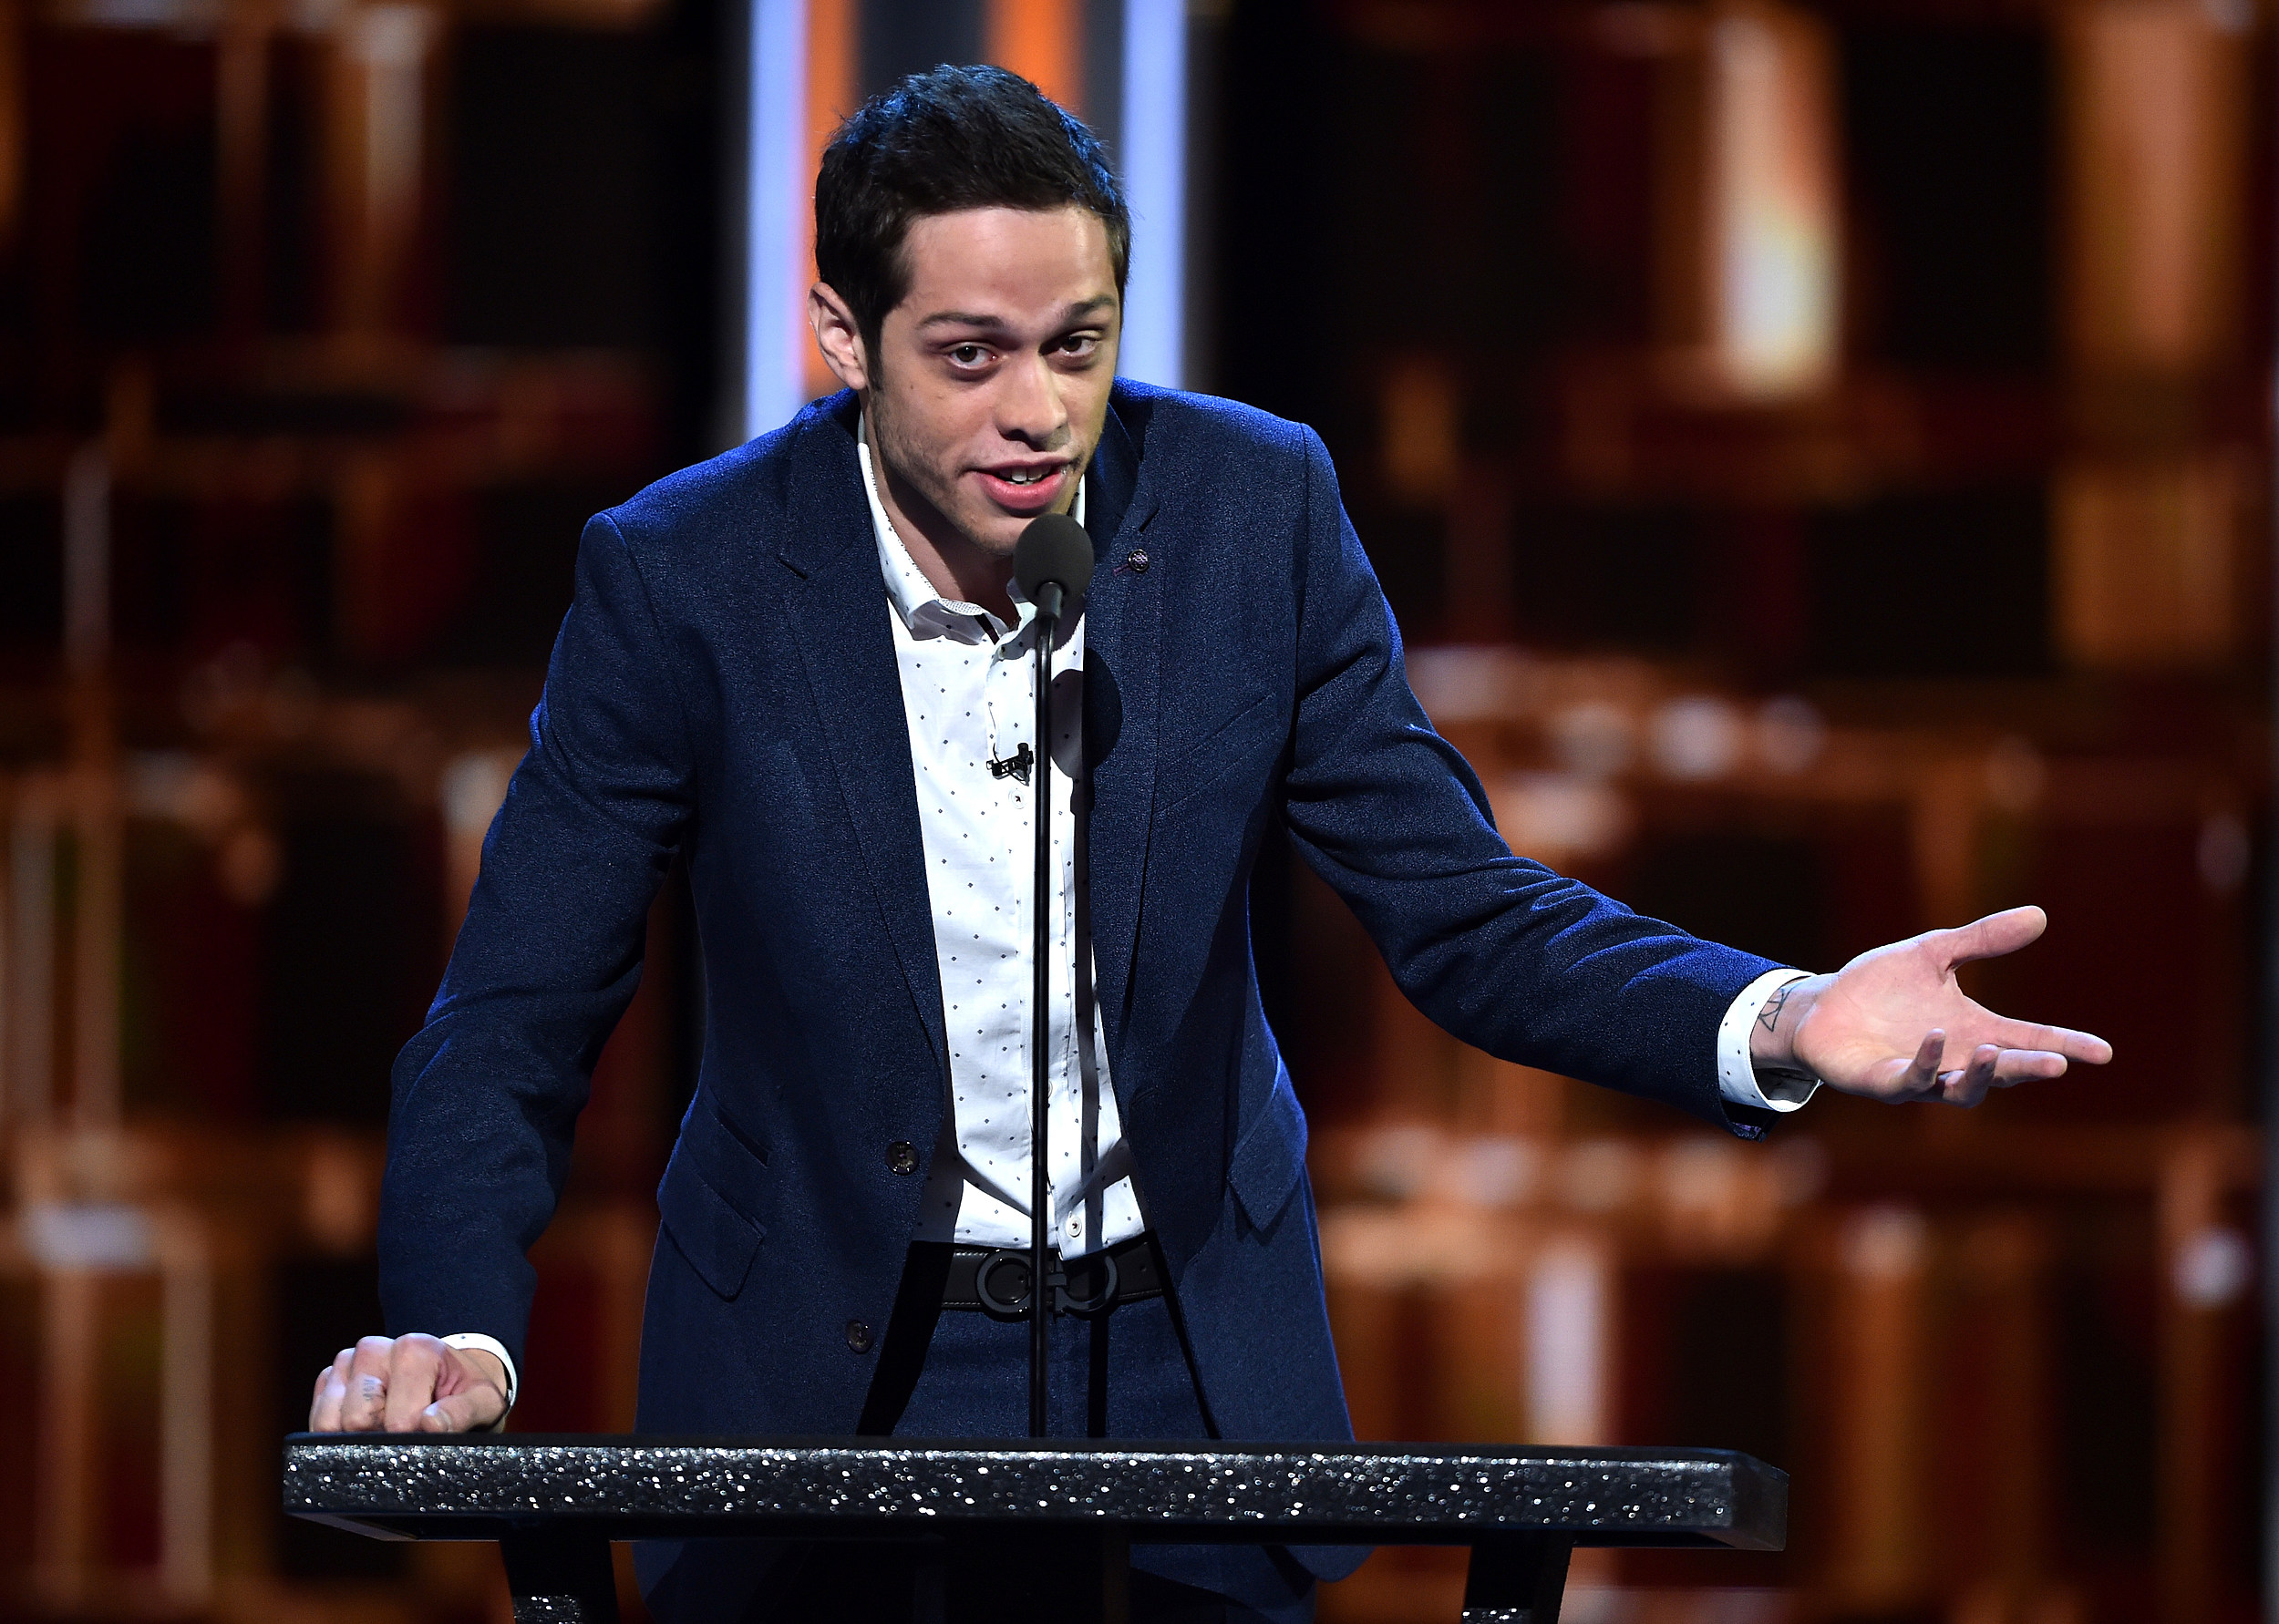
x=724 y=688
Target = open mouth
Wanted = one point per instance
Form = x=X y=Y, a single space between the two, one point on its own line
x=1025 y=489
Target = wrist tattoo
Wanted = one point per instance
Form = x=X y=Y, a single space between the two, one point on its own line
x=1769 y=1016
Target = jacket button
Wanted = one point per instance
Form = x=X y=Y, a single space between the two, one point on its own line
x=902 y=1157
x=1136 y=562
x=857 y=1336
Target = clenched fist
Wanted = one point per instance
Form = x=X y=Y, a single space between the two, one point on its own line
x=408 y=1384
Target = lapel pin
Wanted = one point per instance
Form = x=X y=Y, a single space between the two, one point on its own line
x=1136 y=562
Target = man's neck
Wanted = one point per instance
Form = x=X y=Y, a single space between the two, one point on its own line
x=953 y=565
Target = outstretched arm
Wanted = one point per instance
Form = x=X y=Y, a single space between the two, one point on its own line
x=1528 y=965
x=1894 y=1024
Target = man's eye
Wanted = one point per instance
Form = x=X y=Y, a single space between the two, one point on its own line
x=968 y=354
x=1081 y=344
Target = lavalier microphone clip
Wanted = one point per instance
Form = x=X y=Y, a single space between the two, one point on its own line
x=1016 y=765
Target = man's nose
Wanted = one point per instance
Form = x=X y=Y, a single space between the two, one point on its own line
x=1029 y=408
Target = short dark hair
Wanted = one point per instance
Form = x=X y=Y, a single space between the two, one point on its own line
x=949 y=138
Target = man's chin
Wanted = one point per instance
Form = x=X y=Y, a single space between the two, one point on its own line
x=996 y=534
x=994 y=544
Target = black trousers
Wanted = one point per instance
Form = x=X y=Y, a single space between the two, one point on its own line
x=962 y=1374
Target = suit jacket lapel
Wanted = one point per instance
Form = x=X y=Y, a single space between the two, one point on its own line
x=838 y=609
x=1122 y=653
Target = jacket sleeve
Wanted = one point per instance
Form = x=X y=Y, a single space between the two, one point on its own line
x=486 y=1097
x=1509 y=956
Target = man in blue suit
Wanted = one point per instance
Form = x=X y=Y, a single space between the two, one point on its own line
x=804 y=667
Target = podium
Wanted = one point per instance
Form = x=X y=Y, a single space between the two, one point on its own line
x=1045 y=1525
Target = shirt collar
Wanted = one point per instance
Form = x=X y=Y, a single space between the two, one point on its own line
x=923 y=612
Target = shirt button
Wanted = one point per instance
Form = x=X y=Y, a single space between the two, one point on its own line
x=857 y=1336
x=902 y=1157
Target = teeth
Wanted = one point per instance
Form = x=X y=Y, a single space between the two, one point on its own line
x=1022 y=479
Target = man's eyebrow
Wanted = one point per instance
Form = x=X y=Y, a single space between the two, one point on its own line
x=960 y=318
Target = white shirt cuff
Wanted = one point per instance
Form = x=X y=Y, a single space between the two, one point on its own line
x=475 y=1341
x=1737 y=1073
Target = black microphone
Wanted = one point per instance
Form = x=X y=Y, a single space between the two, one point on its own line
x=1052 y=562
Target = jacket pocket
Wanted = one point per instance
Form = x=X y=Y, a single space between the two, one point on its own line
x=718 y=1242
x=1271 y=1155
x=1230 y=745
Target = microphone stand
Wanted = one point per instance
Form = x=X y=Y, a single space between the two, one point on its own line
x=1047 y=624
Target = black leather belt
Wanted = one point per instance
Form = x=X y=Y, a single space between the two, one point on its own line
x=996 y=1281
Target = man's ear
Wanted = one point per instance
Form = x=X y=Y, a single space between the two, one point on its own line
x=837 y=336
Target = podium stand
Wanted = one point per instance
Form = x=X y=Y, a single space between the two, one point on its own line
x=1047 y=1526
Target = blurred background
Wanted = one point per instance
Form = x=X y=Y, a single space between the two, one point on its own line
x=1819 y=454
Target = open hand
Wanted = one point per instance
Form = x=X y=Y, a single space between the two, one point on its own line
x=1894 y=1026
x=408 y=1384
